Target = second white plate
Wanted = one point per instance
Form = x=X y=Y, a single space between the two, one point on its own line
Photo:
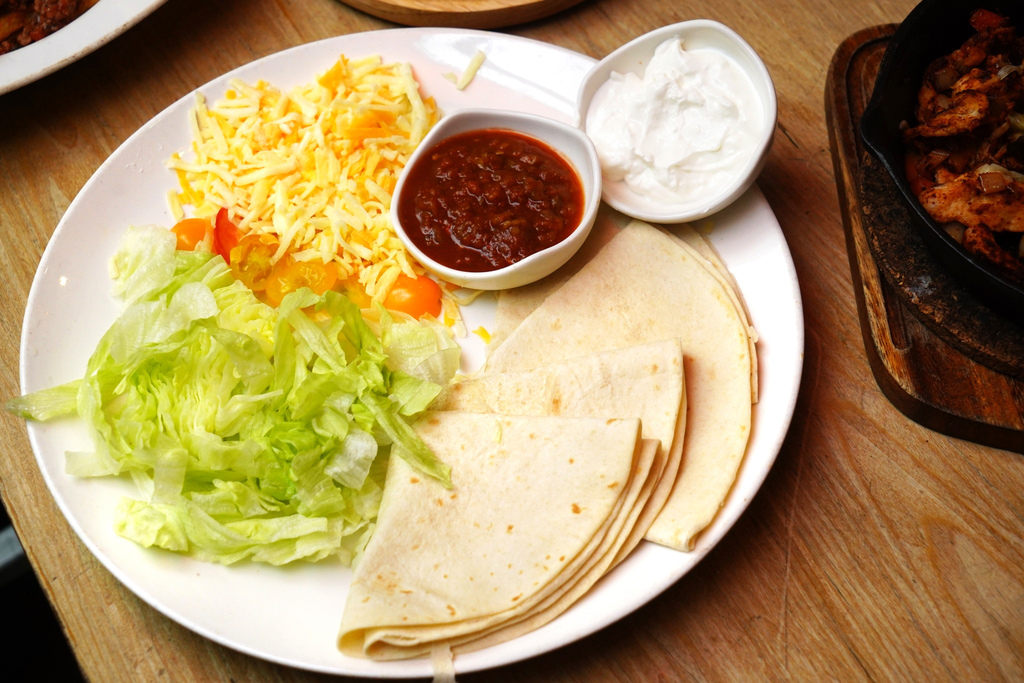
x=99 y=25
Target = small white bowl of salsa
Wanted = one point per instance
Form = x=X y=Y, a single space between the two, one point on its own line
x=495 y=199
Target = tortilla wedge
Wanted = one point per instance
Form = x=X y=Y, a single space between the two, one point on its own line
x=717 y=267
x=539 y=507
x=516 y=304
x=612 y=550
x=646 y=285
x=645 y=381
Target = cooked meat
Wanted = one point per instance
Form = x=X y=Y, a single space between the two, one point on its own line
x=960 y=113
x=963 y=200
x=965 y=152
x=25 y=21
x=981 y=242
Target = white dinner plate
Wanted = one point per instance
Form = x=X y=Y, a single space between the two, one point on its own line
x=291 y=615
x=100 y=24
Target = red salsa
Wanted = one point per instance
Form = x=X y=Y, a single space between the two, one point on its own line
x=483 y=200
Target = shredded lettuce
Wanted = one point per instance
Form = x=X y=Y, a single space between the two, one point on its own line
x=251 y=432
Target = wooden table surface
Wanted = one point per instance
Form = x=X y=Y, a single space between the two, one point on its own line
x=876 y=549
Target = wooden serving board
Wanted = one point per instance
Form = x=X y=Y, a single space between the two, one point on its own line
x=943 y=360
x=481 y=14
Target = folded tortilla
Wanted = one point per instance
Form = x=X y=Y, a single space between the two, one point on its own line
x=515 y=304
x=714 y=264
x=645 y=381
x=647 y=285
x=539 y=507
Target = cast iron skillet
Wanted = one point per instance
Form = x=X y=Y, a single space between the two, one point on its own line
x=934 y=28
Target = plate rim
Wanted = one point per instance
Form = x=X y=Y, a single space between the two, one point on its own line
x=471 y=661
x=96 y=27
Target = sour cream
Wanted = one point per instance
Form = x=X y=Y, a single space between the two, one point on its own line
x=684 y=131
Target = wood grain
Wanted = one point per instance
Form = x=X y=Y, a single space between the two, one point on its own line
x=486 y=14
x=876 y=550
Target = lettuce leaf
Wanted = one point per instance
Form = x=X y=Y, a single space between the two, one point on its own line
x=251 y=432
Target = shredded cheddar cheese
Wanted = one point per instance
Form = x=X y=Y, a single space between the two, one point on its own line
x=314 y=167
x=469 y=74
x=483 y=334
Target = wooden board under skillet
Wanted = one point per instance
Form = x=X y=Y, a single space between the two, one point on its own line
x=486 y=14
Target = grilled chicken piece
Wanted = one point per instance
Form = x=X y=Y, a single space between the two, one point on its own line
x=963 y=90
x=978 y=97
x=965 y=111
x=965 y=153
x=962 y=200
x=987 y=20
x=982 y=243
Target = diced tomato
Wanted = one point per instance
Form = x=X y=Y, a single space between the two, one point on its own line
x=191 y=232
x=226 y=235
x=250 y=261
x=417 y=296
x=289 y=275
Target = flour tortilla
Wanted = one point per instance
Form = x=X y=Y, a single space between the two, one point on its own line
x=536 y=504
x=553 y=602
x=645 y=381
x=646 y=285
x=713 y=262
x=515 y=304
